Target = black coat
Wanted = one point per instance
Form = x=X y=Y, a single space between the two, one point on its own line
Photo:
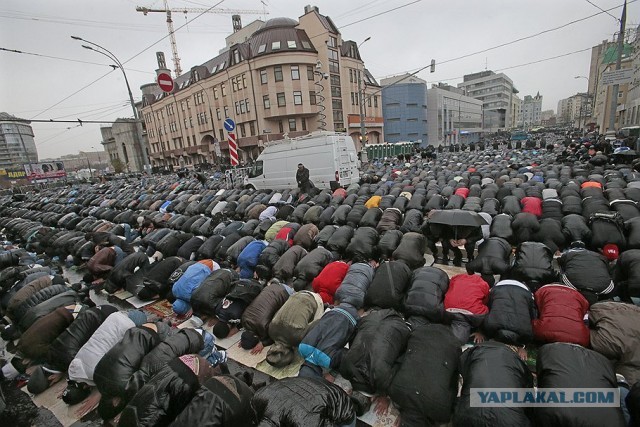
x=118 y=277
x=300 y=401
x=587 y=271
x=269 y=257
x=310 y=266
x=525 y=226
x=221 y=401
x=587 y=369
x=411 y=250
x=533 y=265
x=389 y=243
x=425 y=297
x=157 y=279
x=426 y=384
x=627 y=273
x=506 y=371
x=117 y=366
x=161 y=399
x=212 y=290
x=185 y=341
x=574 y=228
x=363 y=245
x=389 y=286
x=511 y=309
x=493 y=257
x=501 y=227
x=340 y=239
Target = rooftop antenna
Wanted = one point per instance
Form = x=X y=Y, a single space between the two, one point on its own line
x=486 y=63
x=264 y=10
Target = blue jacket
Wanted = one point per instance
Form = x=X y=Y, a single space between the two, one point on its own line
x=248 y=258
x=187 y=284
x=323 y=344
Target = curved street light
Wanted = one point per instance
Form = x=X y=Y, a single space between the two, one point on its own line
x=106 y=52
x=363 y=131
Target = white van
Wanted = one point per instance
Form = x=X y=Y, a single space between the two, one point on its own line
x=329 y=156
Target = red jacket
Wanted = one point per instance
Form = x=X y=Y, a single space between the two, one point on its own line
x=561 y=312
x=328 y=281
x=532 y=205
x=467 y=292
x=286 y=234
x=462 y=192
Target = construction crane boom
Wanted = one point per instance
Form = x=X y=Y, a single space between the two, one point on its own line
x=172 y=36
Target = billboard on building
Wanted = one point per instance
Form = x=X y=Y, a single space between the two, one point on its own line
x=45 y=170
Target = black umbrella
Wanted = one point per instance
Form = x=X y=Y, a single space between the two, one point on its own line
x=456 y=217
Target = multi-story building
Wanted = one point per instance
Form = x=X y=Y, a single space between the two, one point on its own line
x=606 y=61
x=287 y=78
x=531 y=110
x=516 y=111
x=404 y=108
x=495 y=91
x=632 y=106
x=17 y=146
x=575 y=110
x=119 y=141
x=452 y=117
x=97 y=161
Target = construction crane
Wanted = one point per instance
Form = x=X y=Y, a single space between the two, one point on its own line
x=172 y=36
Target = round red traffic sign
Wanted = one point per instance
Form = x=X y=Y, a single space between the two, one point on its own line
x=165 y=82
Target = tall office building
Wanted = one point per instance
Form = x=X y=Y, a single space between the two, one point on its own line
x=404 y=108
x=495 y=91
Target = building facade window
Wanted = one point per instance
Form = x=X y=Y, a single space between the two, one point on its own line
x=223 y=91
x=295 y=72
x=252 y=128
x=297 y=98
x=242 y=130
x=375 y=101
x=303 y=122
x=277 y=73
x=263 y=77
x=281 y=99
x=246 y=104
x=292 y=125
x=266 y=102
x=280 y=126
x=332 y=42
x=218 y=114
x=215 y=94
x=312 y=97
x=310 y=72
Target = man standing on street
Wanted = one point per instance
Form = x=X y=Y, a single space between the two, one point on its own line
x=302 y=177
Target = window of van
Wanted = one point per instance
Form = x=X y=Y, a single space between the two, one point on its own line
x=257 y=169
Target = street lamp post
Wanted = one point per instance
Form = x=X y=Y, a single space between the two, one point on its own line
x=582 y=99
x=361 y=95
x=99 y=159
x=111 y=56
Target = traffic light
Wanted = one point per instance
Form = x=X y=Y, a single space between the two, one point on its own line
x=433 y=66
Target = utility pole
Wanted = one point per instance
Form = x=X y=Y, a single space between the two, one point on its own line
x=616 y=88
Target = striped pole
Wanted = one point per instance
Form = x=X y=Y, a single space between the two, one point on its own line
x=233 y=149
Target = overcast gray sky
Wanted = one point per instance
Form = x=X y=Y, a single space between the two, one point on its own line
x=35 y=87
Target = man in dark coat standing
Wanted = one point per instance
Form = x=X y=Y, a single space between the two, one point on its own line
x=302 y=178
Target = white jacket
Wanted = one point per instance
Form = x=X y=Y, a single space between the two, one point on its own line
x=103 y=339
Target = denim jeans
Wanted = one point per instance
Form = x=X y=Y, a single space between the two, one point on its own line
x=209 y=351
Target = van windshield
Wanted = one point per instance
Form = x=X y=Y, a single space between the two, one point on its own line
x=257 y=169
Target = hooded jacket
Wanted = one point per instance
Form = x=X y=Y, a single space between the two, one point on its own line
x=310 y=266
x=300 y=401
x=34 y=342
x=286 y=265
x=370 y=363
x=189 y=282
x=61 y=299
x=511 y=309
x=507 y=371
x=18 y=303
x=66 y=345
x=615 y=328
x=291 y=322
x=587 y=369
x=561 y=312
x=525 y=226
x=223 y=400
x=109 y=333
x=426 y=384
x=324 y=342
x=249 y=257
x=425 y=296
x=185 y=341
x=328 y=281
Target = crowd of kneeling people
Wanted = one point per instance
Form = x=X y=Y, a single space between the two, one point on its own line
x=338 y=280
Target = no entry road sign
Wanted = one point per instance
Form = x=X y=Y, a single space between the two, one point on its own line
x=165 y=82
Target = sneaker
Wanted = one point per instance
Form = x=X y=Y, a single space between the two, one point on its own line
x=223 y=357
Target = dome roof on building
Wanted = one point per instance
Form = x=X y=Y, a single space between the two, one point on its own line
x=279 y=23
